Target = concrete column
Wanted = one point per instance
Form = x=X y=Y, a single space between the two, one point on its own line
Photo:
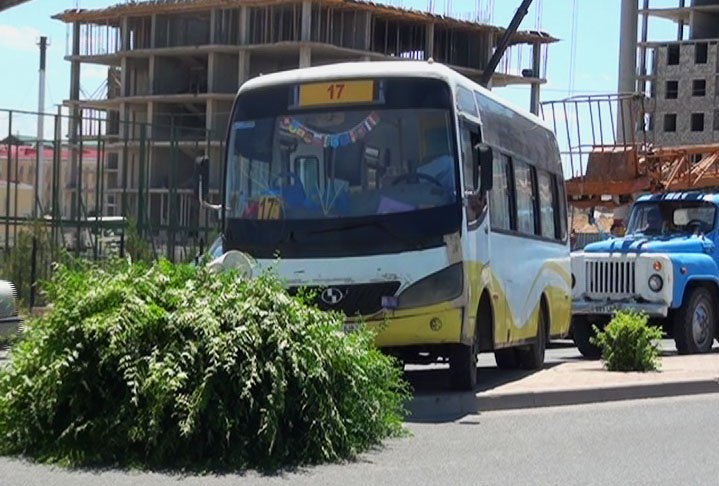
x=486 y=49
x=536 y=68
x=306 y=21
x=243 y=66
x=153 y=31
x=368 y=31
x=213 y=26
x=210 y=115
x=429 y=41
x=151 y=74
x=125 y=34
x=211 y=62
x=150 y=118
x=244 y=26
x=124 y=78
x=305 y=56
x=628 y=46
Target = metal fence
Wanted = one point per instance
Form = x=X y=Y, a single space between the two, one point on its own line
x=96 y=187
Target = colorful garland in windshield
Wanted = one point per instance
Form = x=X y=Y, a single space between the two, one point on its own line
x=334 y=140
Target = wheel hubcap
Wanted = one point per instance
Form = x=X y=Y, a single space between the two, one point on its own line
x=700 y=324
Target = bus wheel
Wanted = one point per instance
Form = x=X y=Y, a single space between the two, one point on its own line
x=582 y=331
x=695 y=323
x=532 y=357
x=463 y=367
x=506 y=358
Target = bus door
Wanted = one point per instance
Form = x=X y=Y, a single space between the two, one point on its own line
x=476 y=231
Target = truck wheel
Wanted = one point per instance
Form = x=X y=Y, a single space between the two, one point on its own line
x=695 y=323
x=506 y=358
x=463 y=367
x=532 y=357
x=582 y=331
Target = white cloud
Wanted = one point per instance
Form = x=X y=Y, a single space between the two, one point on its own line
x=20 y=38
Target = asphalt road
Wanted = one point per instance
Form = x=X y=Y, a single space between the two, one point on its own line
x=661 y=441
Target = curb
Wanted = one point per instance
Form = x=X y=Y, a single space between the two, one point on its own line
x=447 y=405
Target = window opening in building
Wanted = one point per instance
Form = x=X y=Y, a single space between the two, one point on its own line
x=670 y=122
x=701 y=53
x=716 y=120
x=699 y=87
x=673 y=54
x=672 y=92
x=697 y=122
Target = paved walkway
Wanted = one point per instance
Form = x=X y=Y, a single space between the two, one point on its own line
x=566 y=382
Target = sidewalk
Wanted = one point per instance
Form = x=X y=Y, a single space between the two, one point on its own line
x=572 y=383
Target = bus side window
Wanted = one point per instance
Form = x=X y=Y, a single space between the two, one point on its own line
x=501 y=207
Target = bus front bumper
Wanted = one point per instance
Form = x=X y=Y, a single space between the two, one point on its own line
x=423 y=326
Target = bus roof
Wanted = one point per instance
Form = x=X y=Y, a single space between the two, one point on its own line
x=387 y=69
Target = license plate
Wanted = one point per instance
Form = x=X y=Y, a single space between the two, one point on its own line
x=605 y=309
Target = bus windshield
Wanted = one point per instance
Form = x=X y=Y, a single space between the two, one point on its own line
x=340 y=164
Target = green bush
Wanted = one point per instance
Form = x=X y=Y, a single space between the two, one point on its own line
x=628 y=343
x=174 y=366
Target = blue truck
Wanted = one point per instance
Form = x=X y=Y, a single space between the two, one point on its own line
x=666 y=265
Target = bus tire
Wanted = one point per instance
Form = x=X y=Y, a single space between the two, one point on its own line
x=463 y=367
x=532 y=357
x=506 y=358
x=695 y=323
x=582 y=332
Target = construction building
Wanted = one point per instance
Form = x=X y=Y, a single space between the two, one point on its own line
x=174 y=67
x=680 y=74
x=660 y=132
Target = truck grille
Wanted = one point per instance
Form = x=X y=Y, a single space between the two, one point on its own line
x=612 y=277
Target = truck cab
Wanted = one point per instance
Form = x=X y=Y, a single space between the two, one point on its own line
x=666 y=266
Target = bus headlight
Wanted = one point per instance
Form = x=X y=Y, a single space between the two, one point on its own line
x=233 y=260
x=656 y=283
x=443 y=286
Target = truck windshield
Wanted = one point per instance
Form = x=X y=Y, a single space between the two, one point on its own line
x=338 y=164
x=672 y=217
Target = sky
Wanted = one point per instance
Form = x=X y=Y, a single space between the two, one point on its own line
x=585 y=63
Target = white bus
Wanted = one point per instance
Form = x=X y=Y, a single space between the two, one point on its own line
x=413 y=200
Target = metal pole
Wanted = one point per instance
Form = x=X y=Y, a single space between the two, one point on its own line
x=39 y=173
x=627 y=52
x=536 y=65
x=7 y=186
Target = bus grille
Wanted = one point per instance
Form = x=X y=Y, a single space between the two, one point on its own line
x=610 y=278
x=358 y=299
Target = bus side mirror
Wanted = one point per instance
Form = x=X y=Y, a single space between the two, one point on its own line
x=202 y=176
x=486 y=167
x=202 y=181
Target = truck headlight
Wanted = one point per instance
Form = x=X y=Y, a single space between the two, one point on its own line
x=656 y=283
x=442 y=286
